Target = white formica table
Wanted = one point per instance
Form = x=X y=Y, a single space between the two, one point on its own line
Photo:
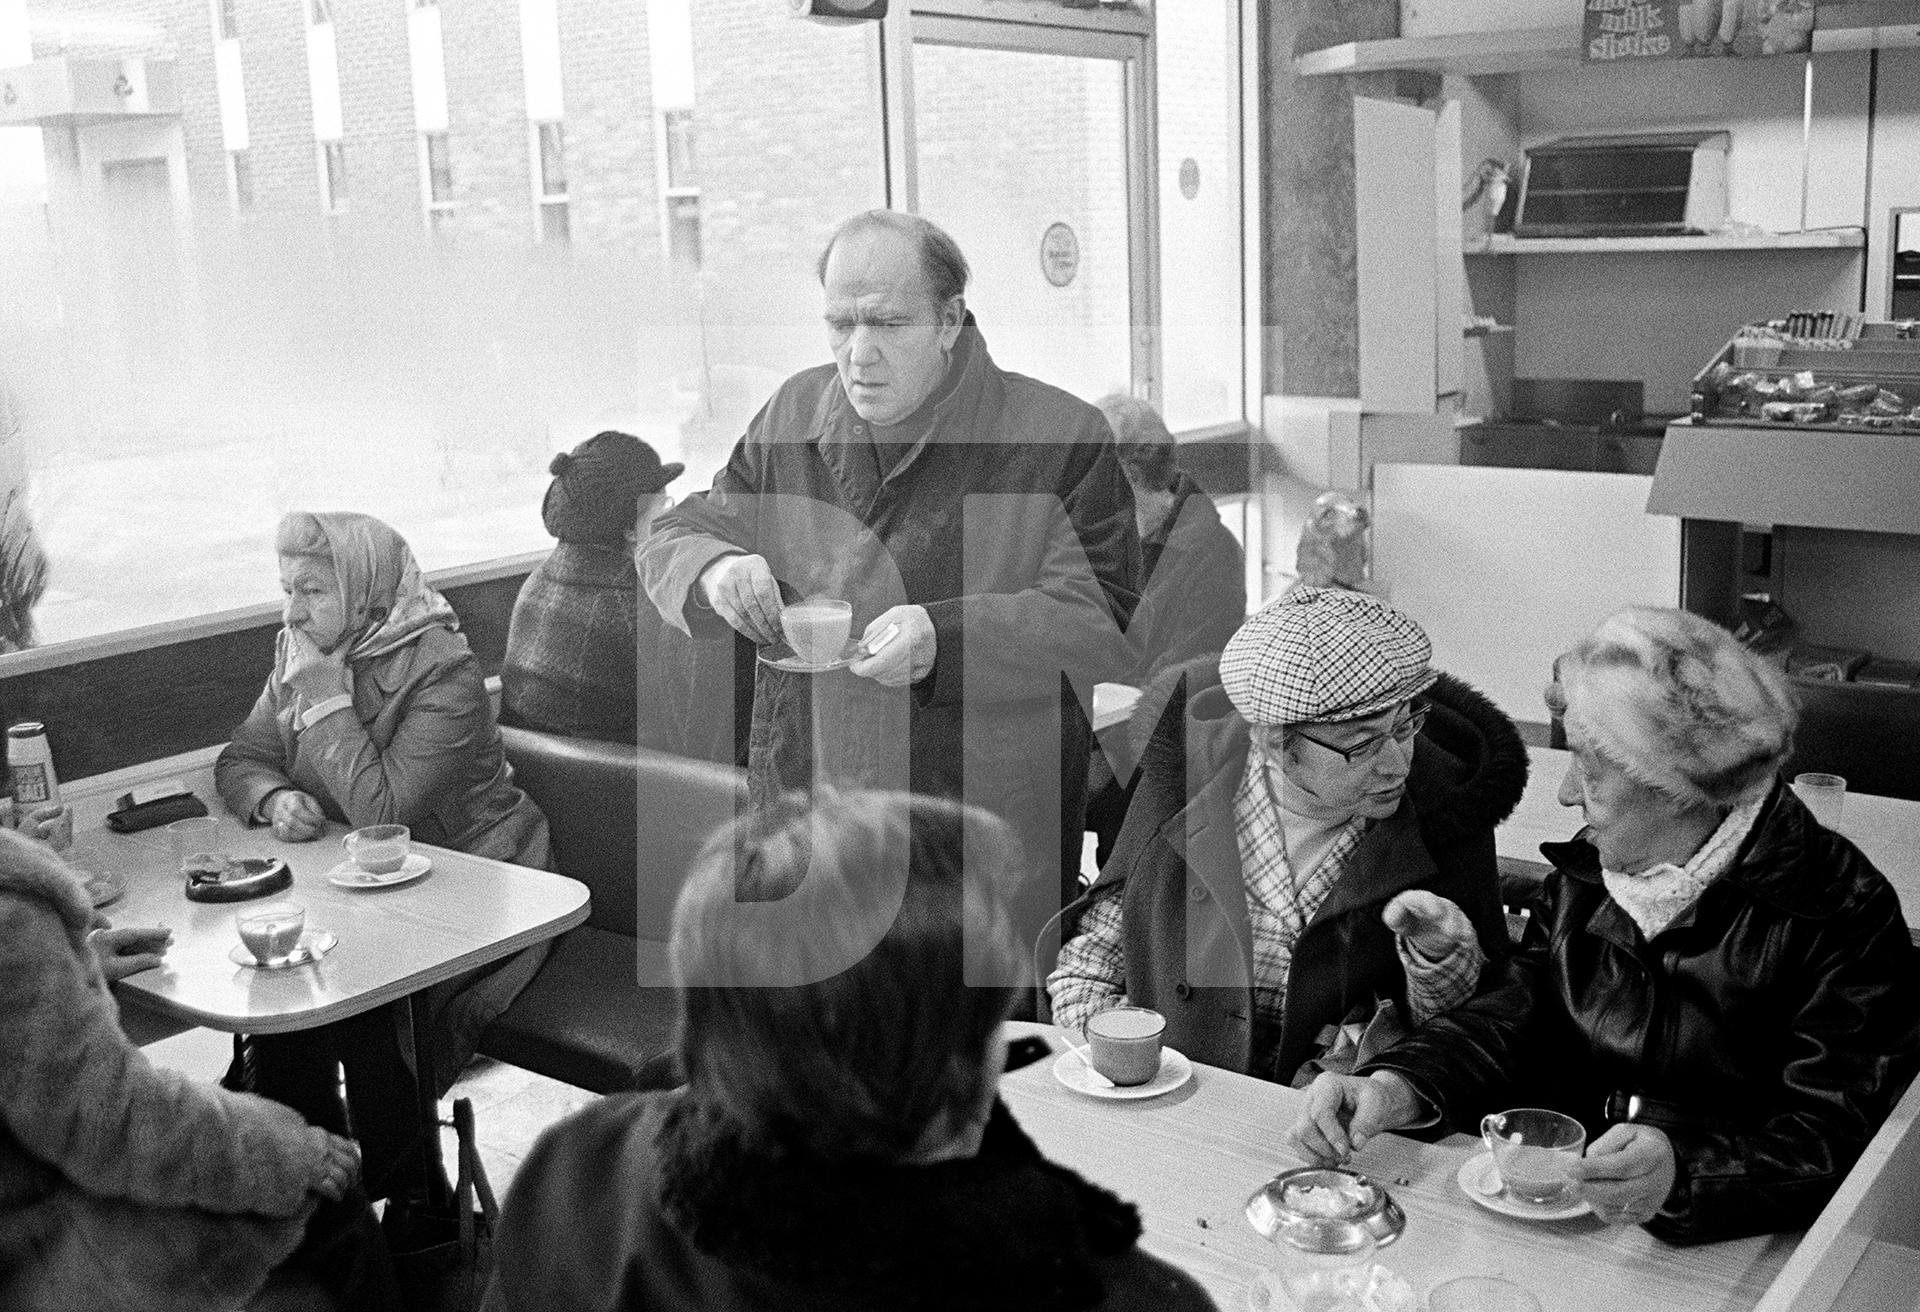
x=393 y=942
x=1886 y=829
x=1190 y=1158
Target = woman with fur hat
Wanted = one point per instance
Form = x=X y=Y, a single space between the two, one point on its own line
x=583 y=652
x=1307 y=866
x=1723 y=989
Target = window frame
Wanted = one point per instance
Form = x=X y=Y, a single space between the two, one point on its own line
x=544 y=200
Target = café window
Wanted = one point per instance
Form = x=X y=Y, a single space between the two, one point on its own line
x=240 y=176
x=227 y=372
x=550 y=151
x=333 y=176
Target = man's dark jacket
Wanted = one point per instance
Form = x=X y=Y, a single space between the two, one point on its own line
x=1189 y=943
x=1771 y=1027
x=1010 y=522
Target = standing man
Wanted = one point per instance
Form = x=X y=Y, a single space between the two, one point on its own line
x=978 y=516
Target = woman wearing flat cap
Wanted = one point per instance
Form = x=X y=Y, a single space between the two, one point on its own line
x=583 y=655
x=1723 y=991
x=1307 y=866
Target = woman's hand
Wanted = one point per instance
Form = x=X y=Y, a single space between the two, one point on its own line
x=52 y=825
x=1627 y=1174
x=295 y=816
x=1431 y=923
x=124 y=952
x=312 y=674
x=1344 y=1111
x=340 y=1168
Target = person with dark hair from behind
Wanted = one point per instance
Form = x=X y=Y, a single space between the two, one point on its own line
x=584 y=652
x=1193 y=593
x=839 y=1143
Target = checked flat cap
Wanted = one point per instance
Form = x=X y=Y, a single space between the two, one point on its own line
x=1324 y=654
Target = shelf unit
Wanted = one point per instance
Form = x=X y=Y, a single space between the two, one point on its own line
x=1480 y=54
x=1825 y=239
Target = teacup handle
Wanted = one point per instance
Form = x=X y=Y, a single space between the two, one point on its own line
x=1490 y=1127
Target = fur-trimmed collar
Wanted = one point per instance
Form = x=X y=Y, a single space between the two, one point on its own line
x=1005 y=1229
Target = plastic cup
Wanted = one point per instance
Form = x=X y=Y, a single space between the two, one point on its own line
x=1824 y=794
x=379 y=849
x=817 y=629
x=271 y=932
x=198 y=848
x=1124 y=1043
x=1480 y=1294
x=1533 y=1148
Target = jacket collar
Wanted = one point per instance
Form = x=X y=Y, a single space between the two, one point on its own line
x=1004 y=1229
x=1775 y=865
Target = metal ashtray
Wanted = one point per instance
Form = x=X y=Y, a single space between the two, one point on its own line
x=1325 y=1209
x=238 y=880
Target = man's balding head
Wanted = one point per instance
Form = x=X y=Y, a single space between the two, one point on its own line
x=941 y=263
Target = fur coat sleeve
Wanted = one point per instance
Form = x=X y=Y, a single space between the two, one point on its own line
x=77 y=1096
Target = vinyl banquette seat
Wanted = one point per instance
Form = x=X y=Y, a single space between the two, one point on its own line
x=627 y=822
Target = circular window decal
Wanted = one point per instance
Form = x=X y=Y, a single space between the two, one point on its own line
x=1189 y=177
x=1060 y=254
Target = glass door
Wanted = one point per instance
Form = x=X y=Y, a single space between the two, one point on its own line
x=1026 y=141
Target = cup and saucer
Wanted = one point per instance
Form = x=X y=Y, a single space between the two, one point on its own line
x=1532 y=1144
x=1071 y=1069
x=1124 y=1057
x=379 y=856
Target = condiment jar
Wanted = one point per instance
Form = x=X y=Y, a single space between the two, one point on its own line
x=30 y=761
x=1326 y=1224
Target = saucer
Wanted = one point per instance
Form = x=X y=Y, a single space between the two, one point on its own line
x=349 y=875
x=1175 y=1070
x=314 y=944
x=103 y=889
x=1479 y=1180
x=782 y=657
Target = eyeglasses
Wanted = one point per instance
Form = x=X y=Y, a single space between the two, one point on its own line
x=1403 y=732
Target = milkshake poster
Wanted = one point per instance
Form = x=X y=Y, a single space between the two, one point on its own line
x=1618 y=31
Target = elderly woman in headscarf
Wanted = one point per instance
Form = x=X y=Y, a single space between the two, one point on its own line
x=585 y=652
x=376 y=713
x=1723 y=989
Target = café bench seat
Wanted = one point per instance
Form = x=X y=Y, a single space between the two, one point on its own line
x=627 y=822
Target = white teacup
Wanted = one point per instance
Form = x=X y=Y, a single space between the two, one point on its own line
x=379 y=849
x=817 y=628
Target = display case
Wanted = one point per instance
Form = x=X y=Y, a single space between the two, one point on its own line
x=1823 y=372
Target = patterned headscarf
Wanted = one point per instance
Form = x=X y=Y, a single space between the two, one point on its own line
x=380 y=582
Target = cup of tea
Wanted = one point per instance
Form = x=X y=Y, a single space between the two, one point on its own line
x=271 y=932
x=1124 y=1043
x=1824 y=794
x=1533 y=1147
x=817 y=628
x=379 y=849
x=198 y=848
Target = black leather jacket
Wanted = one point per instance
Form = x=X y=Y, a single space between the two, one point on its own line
x=1769 y=1030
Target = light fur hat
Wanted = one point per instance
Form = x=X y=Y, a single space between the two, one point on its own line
x=1678 y=704
x=1324 y=655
